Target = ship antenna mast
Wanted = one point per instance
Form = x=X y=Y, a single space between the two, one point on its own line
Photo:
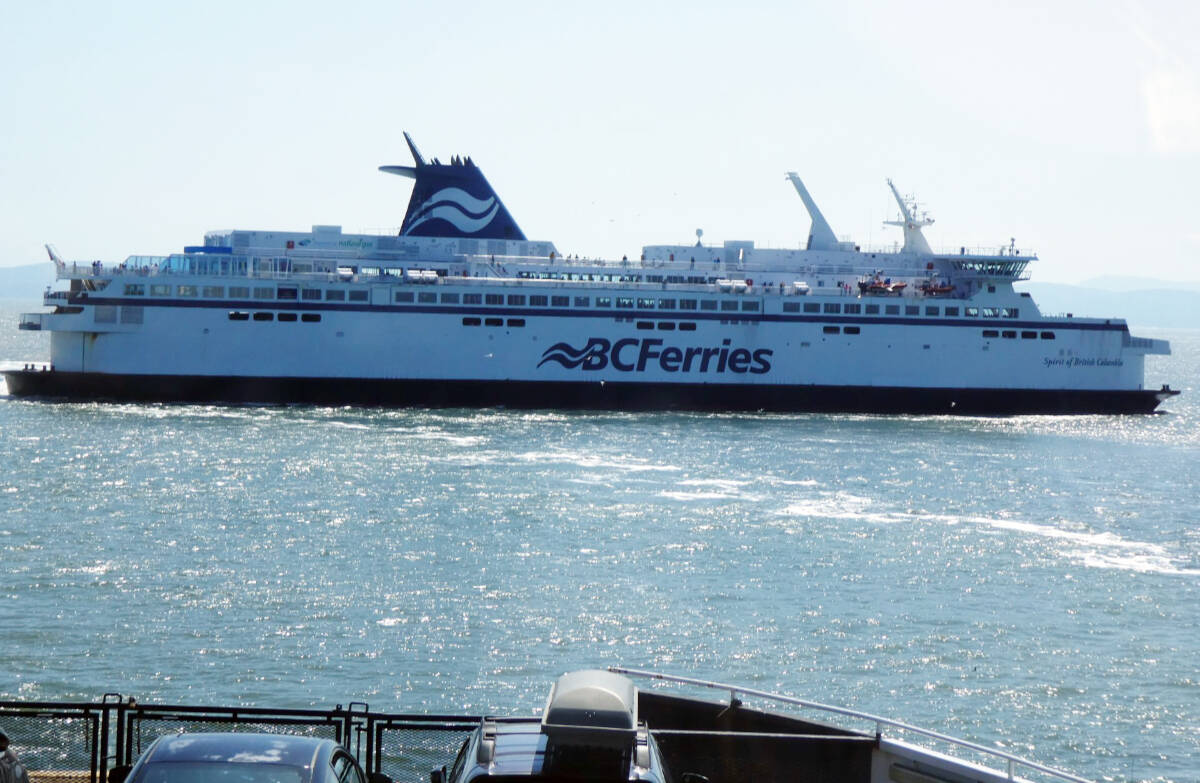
x=914 y=240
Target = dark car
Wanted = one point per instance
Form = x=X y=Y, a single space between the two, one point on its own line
x=244 y=758
x=589 y=732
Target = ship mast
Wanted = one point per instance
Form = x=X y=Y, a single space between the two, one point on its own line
x=914 y=240
x=821 y=237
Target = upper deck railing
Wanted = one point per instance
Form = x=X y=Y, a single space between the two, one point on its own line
x=1012 y=762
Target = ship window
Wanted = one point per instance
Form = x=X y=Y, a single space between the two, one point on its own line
x=791 y=307
x=1047 y=335
x=449 y=298
x=931 y=311
x=358 y=294
x=603 y=301
x=516 y=321
x=186 y=290
x=832 y=308
x=990 y=333
x=471 y=322
x=991 y=312
x=812 y=307
x=493 y=299
x=135 y=289
x=708 y=304
x=160 y=290
x=852 y=308
x=287 y=293
x=951 y=311
x=729 y=304
x=560 y=301
x=311 y=293
x=872 y=309
x=472 y=298
x=891 y=309
x=687 y=304
x=335 y=295
x=645 y=304
x=516 y=299
x=236 y=316
x=912 y=310
x=831 y=329
x=310 y=318
x=264 y=316
x=214 y=291
x=666 y=326
x=1008 y=334
x=427 y=297
x=666 y=304
x=851 y=330
x=1028 y=335
x=287 y=317
x=585 y=301
x=538 y=301
x=493 y=321
x=404 y=296
x=972 y=312
x=264 y=293
x=687 y=326
x=239 y=292
x=625 y=301
x=1010 y=312
x=749 y=306
x=645 y=324
x=132 y=314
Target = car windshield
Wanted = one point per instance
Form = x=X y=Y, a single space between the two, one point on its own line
x=219 y=772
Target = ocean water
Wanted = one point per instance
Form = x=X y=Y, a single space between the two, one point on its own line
x=1031 y=583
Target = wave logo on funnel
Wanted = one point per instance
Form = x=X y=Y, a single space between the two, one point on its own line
x=593 y=356
x=458 y=208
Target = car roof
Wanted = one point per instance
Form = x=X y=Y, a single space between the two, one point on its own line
x=238 y=747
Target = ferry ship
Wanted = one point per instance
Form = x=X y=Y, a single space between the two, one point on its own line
x=459 y=308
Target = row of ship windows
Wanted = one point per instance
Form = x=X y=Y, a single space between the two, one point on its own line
x=430 y=297
x=241 y=315
x=1011 y=334
x=248 y=292
x=834 y=308
x=521 y=300
x=621 y=302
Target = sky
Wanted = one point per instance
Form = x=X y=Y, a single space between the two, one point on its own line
x=1070 y=127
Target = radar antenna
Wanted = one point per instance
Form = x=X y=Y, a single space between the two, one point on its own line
x=914 y=240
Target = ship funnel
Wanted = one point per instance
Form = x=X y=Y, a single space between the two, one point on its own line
x=452 y=200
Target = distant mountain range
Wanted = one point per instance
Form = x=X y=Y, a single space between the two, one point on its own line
x=1140 y=301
